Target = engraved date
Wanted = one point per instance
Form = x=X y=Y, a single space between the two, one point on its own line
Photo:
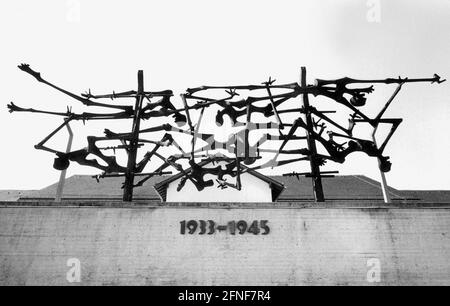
x=209 y=227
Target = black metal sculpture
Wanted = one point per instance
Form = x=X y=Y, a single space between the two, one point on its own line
x=235 y=155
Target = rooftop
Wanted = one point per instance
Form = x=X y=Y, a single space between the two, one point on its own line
x=344 y=187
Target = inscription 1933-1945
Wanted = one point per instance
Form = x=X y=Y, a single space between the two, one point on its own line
x=210 y=227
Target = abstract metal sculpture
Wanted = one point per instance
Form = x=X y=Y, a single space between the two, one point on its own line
x=235 y=155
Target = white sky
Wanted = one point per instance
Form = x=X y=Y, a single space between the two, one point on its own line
x=180 y=44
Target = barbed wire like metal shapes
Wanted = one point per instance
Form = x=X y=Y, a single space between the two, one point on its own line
x=236 y=155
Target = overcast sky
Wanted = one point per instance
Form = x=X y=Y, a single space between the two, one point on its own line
x=180 y=44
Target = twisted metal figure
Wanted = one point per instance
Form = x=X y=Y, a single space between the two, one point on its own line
x=237 y=149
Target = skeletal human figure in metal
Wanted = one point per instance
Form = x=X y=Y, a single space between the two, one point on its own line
x=236 y=155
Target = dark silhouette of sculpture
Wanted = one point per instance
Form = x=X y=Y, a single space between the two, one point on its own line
x=267 y=99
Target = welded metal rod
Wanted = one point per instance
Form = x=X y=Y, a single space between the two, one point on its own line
x=315 y=169
x=384 y=186
x=133 y=143
x=62 y=176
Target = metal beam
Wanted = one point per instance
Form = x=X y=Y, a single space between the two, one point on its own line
x=133 y=143
x=62 y=176
x=315 y=169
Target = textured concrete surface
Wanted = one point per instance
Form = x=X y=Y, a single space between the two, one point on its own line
x=142 y=245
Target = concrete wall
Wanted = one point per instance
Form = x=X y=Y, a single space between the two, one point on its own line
x=143 y=246
x=253 y=190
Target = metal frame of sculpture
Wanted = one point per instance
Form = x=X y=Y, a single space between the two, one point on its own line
x=237 y=149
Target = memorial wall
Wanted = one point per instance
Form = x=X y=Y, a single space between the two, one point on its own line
x=229 y=244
